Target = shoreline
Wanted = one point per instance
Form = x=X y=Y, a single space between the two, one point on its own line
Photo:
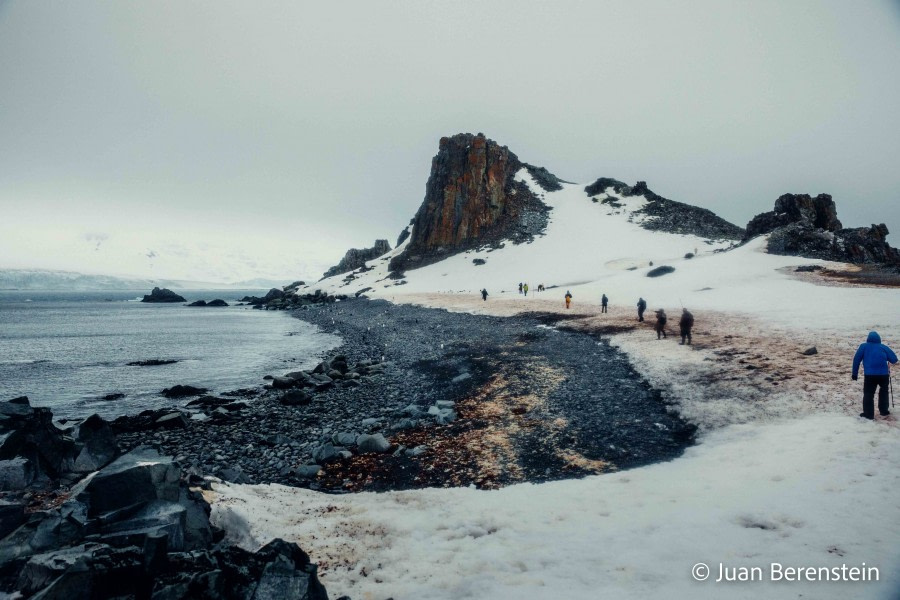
x=531 y=403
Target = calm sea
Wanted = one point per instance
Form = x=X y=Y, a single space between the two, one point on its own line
x=67 y=350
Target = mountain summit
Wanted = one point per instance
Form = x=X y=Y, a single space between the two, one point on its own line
x=472 y=199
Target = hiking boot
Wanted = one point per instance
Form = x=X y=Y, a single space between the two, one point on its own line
x=863 y=415
x=884 y=414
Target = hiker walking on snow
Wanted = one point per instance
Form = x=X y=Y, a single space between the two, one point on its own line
x=603 y=302
x=568 y=298
x=520 y=288
x=661 y=323
x=686 y=323
x=642 y=306
x=484 y=294
x=874 y=357
x=525 y=288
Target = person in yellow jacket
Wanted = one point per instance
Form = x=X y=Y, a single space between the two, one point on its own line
x=568 y=298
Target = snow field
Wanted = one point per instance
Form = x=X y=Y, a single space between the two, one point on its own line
x=819 y=491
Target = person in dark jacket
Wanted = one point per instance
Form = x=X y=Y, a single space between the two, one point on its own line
x=661 y=319
x=520 y=288
x=484 y=294
x=603 y=302
x=874 y=357
x=642 y=306
x=686 y=323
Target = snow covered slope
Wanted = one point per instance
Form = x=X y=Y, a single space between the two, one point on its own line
x=598 y=247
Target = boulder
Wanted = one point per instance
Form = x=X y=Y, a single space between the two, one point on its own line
x=198 y=303
x=12 y=515
x=344 y=439
x=173 y=420
x=295 y=398
x=182 y=391
x=810 y=351
x=661 y=270
x=217 y=302
x=283 y=383
x=16 y=474
x=163 y=295
x=326 y=453
x=372 y=443
x=132 y=480
x=308 y=471
x=95 y=442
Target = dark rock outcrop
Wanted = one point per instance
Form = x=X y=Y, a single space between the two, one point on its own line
x=661 y=270
x=35 y=451
x=805 y=226
x=153 y=362
x=136 y=529
x=471 y=200
x=181 y=391
x=356 y=258
x=544 y=178
x=163 y=295
x=216 y=302
x=668 y=215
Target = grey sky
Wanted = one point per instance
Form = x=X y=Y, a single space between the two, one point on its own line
x=233 y=140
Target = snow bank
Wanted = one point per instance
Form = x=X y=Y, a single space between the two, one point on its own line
x=818 y=492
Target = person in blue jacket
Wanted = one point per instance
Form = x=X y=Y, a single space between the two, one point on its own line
x=874 y=357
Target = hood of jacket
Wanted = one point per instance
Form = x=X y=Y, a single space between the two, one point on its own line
x=873 y=338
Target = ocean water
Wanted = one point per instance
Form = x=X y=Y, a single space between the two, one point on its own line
x=66 y=350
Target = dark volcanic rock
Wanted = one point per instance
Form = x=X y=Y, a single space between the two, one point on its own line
x=181 y=391
x=661 y=270
x=669 y=215
x=804 y=226
x=217 y=302
x=471 y=200
x=356 y=258
x=198 y=303
x=163 y=295
x=153 y=362
x=544 y=178
x=136 y=530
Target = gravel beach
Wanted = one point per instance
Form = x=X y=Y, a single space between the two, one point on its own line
x=460 y=400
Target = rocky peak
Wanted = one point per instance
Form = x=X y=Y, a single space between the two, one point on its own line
x=472 y=199
x=669 y=215
x=817 y=213
x=356 y=258
x=802 y=225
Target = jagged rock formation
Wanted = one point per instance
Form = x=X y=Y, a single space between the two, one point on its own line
x=804 y=226
x=668 y=215
x=472 y=200
x=819 y=213
x=163 y=295
x=544 y=178
x=356 y=258
x=135 y=528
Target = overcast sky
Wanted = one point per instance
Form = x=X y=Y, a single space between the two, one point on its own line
x=223 y=141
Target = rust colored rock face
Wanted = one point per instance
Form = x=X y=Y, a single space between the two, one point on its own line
x=471 y=199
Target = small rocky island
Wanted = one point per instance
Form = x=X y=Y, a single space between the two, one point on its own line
x=216 y=302
x=162 y=295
